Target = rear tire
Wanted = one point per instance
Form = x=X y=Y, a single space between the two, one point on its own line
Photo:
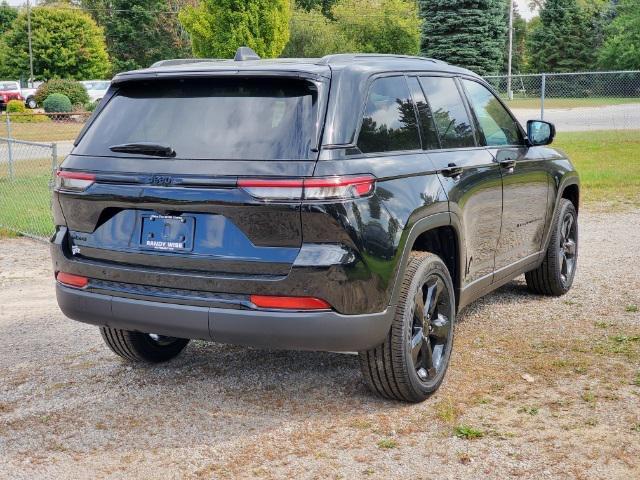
x=31 y=103
x=555 y=275
x=411 y=363
x=142 y=347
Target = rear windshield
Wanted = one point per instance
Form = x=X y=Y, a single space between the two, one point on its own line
x=227 y=119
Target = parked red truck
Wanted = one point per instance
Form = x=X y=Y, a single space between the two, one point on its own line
x=9 y=90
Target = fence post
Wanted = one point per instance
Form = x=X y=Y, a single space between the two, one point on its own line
x=543 y=89
x=54 y=163
x=9 y=146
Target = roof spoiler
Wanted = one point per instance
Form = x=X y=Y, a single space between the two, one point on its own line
x=245 y=53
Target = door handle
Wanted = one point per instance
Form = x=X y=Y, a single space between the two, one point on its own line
x=452 y=171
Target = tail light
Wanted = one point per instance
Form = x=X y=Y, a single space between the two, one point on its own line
x=319 y=188
x=289 y=303
x=71 y=280
x=74 y=181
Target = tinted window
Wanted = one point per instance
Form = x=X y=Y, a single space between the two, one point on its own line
x=452 y=121
x=425 y=117
x=389 y=121
x=211 y=119
x=496 y=125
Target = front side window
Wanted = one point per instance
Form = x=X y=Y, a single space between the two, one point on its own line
x=496 y=125
x=389 y=122
x=449 y=113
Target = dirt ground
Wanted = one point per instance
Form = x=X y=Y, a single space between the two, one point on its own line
x=537 y=388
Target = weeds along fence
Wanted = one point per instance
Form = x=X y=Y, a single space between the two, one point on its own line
x=31 y=148
x=33 y=144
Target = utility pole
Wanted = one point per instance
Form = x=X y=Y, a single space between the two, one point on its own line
x=509 y=91
x=30 y=49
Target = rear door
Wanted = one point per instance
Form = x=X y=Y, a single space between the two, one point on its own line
x=470 y=176
x=524 y=178
x=168 y=159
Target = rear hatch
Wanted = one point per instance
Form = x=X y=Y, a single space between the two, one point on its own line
x=153 y=181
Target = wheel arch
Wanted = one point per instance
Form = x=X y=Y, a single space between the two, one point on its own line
x=440 y=234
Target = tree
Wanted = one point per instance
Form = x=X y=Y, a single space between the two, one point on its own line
x=323 y=5
x=468 y=33
x=139 y=32
x=67 y=43
x=392 y=26
x=565 y=40
x=219 y=27
x=621 y=49
x=7 y=15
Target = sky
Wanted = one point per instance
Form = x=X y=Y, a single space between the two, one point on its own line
x=522 y=6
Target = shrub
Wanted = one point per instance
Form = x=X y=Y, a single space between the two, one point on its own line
x=15 y=106
x=29 y=117
x=58 y=103
x=71 y=88
x=90 y=107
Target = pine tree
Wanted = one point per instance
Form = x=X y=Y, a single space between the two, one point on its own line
x=565 y=40
x=468 y=33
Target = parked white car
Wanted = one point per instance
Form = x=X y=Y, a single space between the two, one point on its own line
x=96 y=88
x=29 y=95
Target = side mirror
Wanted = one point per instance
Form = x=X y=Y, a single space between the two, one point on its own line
x=540 y=132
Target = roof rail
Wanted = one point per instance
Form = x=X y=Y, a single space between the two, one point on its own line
x=183 y=61
x=354 y=56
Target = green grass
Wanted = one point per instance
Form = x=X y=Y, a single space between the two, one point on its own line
x=608 y=162
x=467 y=432
x=569 y=102
x=43 y=132
x=25 y=201
x=387 y=443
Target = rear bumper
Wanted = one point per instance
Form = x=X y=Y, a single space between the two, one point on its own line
x=325 y=330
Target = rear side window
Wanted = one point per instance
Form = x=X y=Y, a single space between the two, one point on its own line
x=229 y=119
x=496 y=125
x=449 y=113
x=389 y=122
x=427 y=126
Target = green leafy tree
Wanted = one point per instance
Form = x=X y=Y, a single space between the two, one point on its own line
x=219 y=27
x=139 y=32
x=621 y=49
x=323 y=5
x=468 y=33
x=565 y=40
x=7 y=15
x=67 y=43
x=392 y=26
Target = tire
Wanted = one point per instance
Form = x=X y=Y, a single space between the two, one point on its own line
x=555 y=275
x=410 y=365
x=142 y=347
x=31 y=103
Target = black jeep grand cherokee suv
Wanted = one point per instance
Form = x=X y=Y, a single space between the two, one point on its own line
x=350 y=203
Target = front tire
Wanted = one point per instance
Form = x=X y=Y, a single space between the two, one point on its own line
x=411 y=363
x=555 y=275
x=31 y=103
x=142 y=347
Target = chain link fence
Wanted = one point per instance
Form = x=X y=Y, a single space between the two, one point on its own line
x=31 y=147
x=32 y=144
x=574 y=102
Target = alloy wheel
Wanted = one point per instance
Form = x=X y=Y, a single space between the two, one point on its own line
x=431 y=329
x=568 y=247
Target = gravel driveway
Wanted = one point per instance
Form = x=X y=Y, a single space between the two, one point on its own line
x=550 y=388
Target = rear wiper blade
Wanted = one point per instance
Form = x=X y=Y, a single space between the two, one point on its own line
x=146 y=148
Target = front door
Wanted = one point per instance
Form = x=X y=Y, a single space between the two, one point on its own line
x=470 y=176
x=524 y=179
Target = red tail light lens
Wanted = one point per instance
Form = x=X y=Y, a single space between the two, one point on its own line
x=75 y=181
x=289 y=303
x=71 y=280
x=319 y=188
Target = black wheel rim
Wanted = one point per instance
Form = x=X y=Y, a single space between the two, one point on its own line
x=161 y=340
x=431 y=329
x=568 y=247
